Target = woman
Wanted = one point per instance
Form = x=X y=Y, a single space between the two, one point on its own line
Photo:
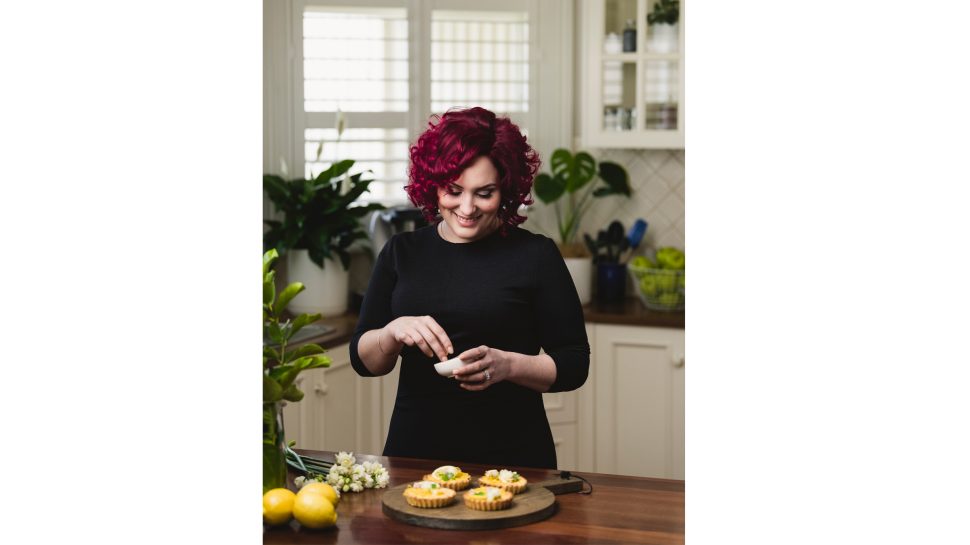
x=475 y=285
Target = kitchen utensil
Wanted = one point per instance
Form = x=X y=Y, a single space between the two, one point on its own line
x=614 y=235
x=635 y=237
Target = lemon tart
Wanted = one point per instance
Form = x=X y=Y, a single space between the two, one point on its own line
x=506 y=480
x=428 y=494
x=450 y=477
x=487 y=498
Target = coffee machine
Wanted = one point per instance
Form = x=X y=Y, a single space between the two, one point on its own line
x=381 y=226
x=386 y=223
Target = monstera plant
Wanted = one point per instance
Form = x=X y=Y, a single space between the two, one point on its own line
x=575 y=177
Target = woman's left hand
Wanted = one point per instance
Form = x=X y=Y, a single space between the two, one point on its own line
x=483 y=367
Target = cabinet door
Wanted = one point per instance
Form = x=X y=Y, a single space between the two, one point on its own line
x=633 y=95
x=332 y=413
x=567 y=446
x=639 y=401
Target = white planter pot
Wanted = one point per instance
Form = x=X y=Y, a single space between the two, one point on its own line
x=581 y=269
x=326 y=290
x=664 y=38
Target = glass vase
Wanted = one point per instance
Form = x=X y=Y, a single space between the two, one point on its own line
x=274 y=452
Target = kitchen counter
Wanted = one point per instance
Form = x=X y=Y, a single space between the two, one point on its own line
x=621 y=510
x=629 y=312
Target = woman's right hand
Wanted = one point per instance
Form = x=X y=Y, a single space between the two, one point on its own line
x=421 y=331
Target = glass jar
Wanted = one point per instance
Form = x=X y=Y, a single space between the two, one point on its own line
x=274 y=452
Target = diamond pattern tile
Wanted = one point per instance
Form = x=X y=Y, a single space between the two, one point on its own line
x=659 y=194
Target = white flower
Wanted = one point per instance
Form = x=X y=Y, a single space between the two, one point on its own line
x=493 y=473
x=347 y=476
x=299 y=481
x=505 y=476
x=346 y=459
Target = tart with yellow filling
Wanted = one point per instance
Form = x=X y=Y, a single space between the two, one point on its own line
x=450 y=477
x=509 y=481
x=428 y=494
x=487 y=498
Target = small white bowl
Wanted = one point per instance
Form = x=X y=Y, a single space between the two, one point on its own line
x=445 y=368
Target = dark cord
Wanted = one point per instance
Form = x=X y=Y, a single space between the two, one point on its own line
x=566 y=475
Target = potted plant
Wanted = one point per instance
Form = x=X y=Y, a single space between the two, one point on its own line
x=570 y=175
x=662 y=21
x=320 y=222
x=281 y=366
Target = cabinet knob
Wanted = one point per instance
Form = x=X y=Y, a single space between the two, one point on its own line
x=678 y=360
x=320 y=389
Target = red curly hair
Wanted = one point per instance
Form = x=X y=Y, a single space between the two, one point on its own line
x=460 y=137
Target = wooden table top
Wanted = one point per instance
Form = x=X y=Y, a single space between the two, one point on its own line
x=621 y=510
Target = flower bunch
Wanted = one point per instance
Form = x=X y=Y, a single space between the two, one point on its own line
x=348 y=476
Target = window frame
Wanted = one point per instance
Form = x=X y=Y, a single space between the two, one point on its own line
x=549 y=120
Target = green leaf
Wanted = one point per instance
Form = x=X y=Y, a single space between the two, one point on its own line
x=336 y=170
x=270 y=354
x=293 y=393
x=286 y=296
x=308 y=349
x=284 y=375
x=311 y=362
x=549 y=188
x=304 y=319
x=344 y=258
x=268 y=259
x=615 y=177
x=276 y=333
x=581 y=171
x=269 y=287
x=271 y=390
x=277 y=190
x=561 y=162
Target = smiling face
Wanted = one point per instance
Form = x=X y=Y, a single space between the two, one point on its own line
x=469 y=205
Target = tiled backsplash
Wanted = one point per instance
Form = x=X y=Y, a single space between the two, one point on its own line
x=657 y=180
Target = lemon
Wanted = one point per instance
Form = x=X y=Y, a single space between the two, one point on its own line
x=322 y=488
x=278 y=506
x=314 y=510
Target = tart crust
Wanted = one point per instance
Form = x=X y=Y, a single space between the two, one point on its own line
x=479 y=503
x=430 y=501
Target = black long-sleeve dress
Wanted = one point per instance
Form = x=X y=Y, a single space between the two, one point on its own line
x=512 y=293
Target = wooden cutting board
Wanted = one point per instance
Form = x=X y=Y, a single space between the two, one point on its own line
x=534 y=504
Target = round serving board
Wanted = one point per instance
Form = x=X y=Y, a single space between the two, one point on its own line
x=534 y=504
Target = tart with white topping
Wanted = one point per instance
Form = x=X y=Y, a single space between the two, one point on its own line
x=450 y=477
x=506 y=480
x=428 y=494
x=487 y=498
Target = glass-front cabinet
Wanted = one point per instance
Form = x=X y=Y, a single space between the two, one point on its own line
x=633 y=74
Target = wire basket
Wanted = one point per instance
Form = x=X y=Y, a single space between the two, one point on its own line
x=659 y=289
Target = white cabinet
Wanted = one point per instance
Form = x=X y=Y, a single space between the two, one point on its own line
x=631 y=99
x=627 y=419
x=333 y=412
x=639 y=399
